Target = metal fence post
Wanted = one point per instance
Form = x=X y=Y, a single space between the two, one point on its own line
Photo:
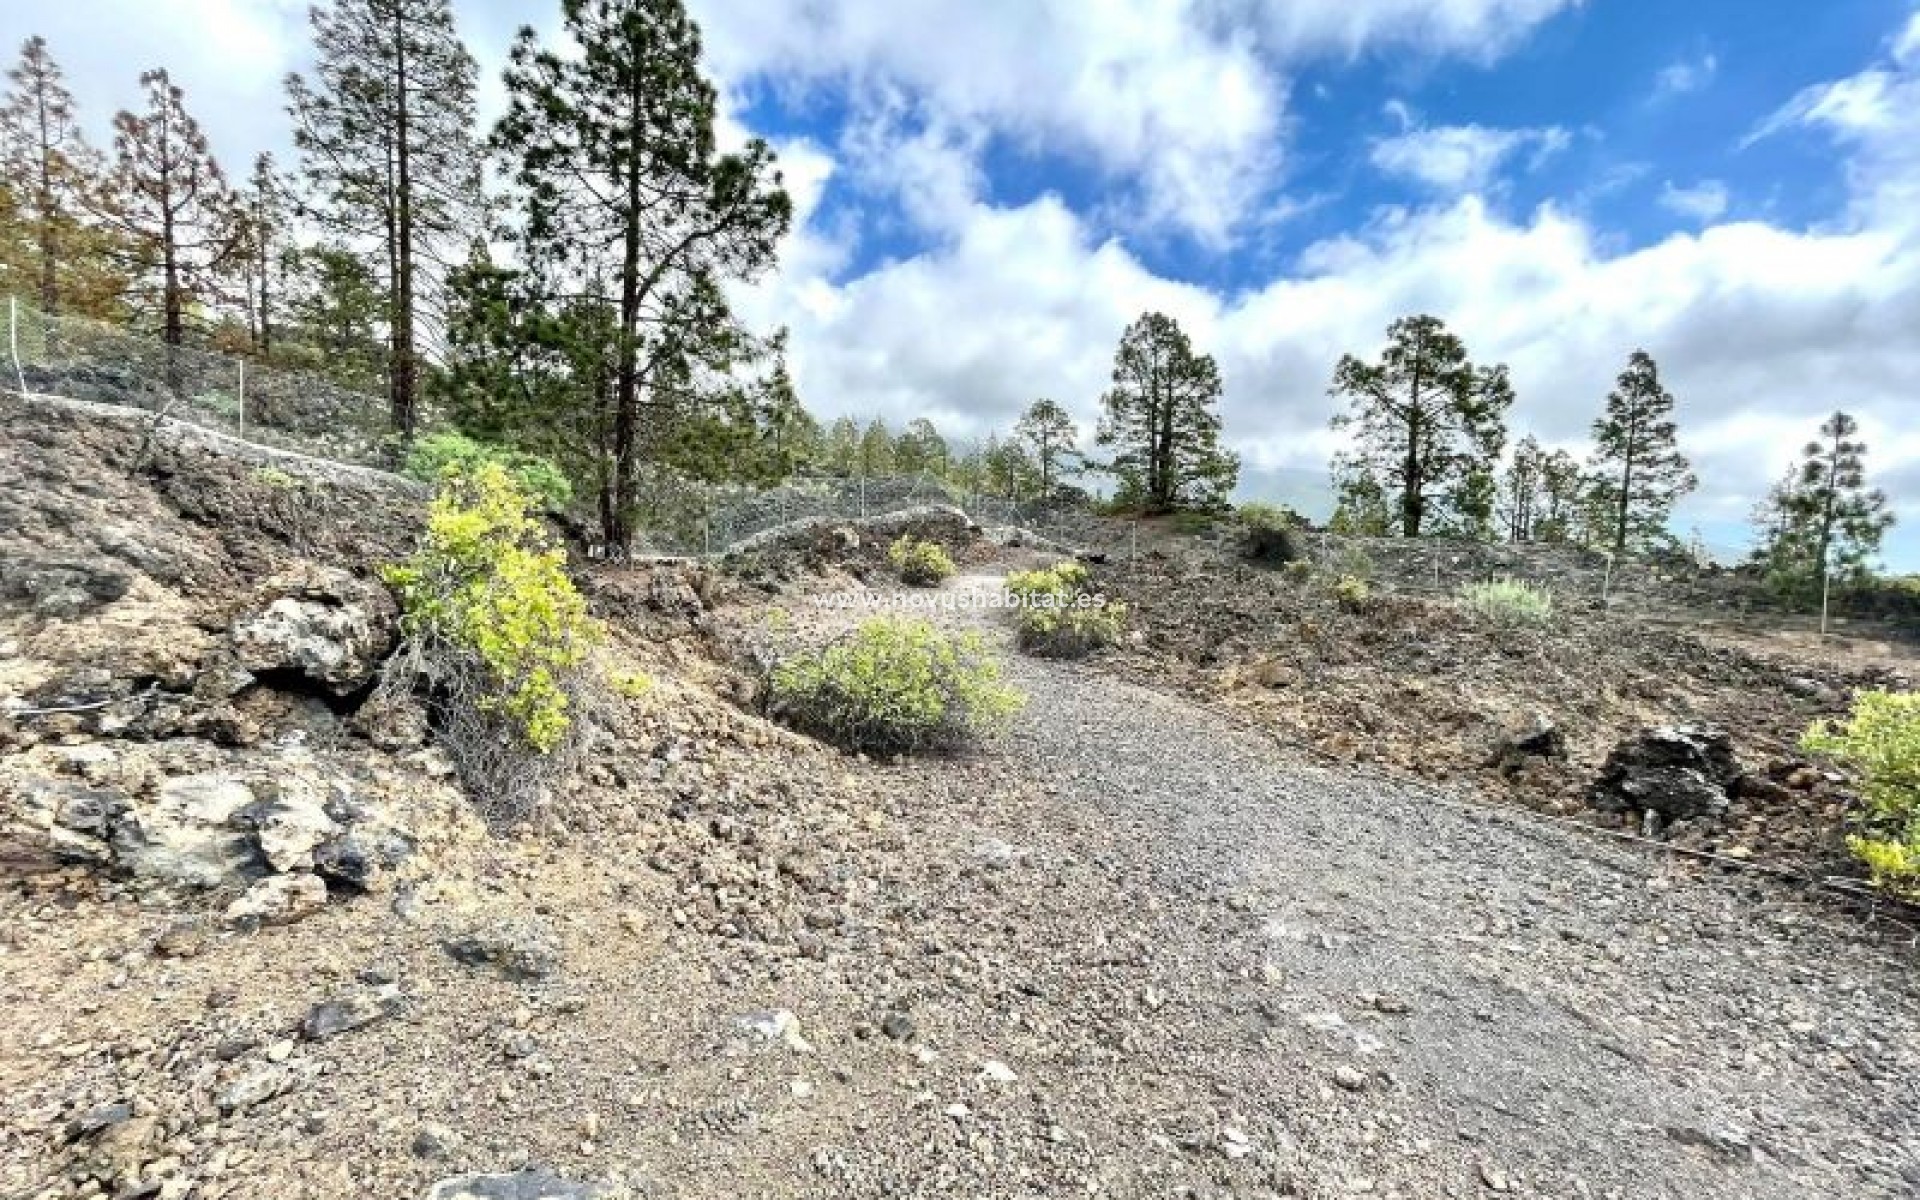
x=13 y=341
x=1826 y=589
x=243 y=398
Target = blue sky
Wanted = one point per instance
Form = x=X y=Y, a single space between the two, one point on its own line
x=990 y=191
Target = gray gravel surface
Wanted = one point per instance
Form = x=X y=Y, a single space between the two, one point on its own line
x=1232 y=970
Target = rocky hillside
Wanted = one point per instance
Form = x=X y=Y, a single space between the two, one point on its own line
x=255 y=944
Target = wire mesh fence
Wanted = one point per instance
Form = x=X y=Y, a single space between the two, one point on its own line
x=76 y=358
x=701 y=520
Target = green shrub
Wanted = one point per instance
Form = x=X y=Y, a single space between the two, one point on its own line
x=1060 y=615
x=1508 y=602
x=1299 y=570
x=1192 y=523
x=275 y=478
x=1352 y=593
x=920 y=563
x=433 y=457
x=895 y=686
x=496 y=632
x=1269 y=533
x=1069 y=577
x=1881 y=741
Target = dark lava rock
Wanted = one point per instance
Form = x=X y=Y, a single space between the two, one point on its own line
x=1680 y=772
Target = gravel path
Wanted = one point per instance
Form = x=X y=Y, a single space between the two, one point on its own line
x=1305 y=980
x=1127 y=951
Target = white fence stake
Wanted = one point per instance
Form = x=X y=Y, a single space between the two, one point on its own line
x=243 y=398
x=13 y=340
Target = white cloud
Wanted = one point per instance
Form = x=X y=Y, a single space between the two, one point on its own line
x=1687 y=75
x=1475 y=29
x=1180 y=101
x=229 y=56
x=1875 y=114
x=1704 y=201
x=1759 y=329
x=1461 y=158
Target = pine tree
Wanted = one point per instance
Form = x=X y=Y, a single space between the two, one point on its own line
x=1562 y=491
x=170 y=202
x=1823 y=523
x=497 y=373
x=1052 y=434
x=920 y=449
x=1430 y=426
x=1361 y=507
x=1640 y=467
x=335 y=312
x=1161 y=416
x=267 y=221
x=628 y=201
x=1007 y=470
x=1521 y=490
x=47 y=164
x=876 y=450
x=791 y=438
x=842 y=452
x=385 y=130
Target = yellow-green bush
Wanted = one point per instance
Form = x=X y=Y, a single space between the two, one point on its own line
x=1069 y=577
x=1060 y=615
x=1508 y=602
x=1352 y=593
x=919 y=563
x=1881 y=741
x=895 y=685
x=493 y=616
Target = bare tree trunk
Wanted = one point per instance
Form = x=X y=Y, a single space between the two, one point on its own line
x=616 y=512
x=49 y=249
x=401 y=385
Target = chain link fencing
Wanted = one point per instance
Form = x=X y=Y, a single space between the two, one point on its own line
x=76 y=358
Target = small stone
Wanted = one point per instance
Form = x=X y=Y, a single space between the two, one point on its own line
x=1349 y=1078
x=994 y=1071
x=278 y=900
x=898 y=1026
x=257 y=1086
x=350 y=1011
x=184 y=938
x=95 y=1119
x=777 y=1025
x=433 y=1141
x=518 y=950
x=522 y=1185
x=1493 y=1177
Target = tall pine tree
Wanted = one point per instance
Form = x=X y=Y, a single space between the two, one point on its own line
x=47 y=164
x=1429 y=425
x=267 y=221
x=1051 y=432
x=170 y=202
x=1162 y=418
x=1637 y=461
x=629 y=205
x=385 y=130
x=1825 y=523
